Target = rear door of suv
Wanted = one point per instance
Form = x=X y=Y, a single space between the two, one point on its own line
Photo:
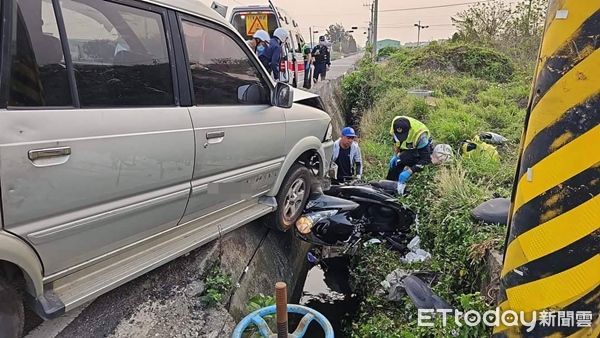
x=95 y=152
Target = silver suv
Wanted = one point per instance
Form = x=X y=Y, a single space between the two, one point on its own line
x=132 y=132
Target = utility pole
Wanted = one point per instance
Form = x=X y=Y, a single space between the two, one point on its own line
x=529 y=18
x=419 y=27
x=370 y=28
x=375 y=14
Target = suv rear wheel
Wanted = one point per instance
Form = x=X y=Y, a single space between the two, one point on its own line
x=291 y=198
x=11 y=311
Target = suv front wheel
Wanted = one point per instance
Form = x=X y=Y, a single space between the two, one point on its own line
x=11 y=311
x=291 y=198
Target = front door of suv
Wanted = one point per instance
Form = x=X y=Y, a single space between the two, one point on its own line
x=239 y=144
x=94 y=153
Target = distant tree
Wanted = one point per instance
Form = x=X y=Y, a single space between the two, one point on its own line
x=482 y=21
x=515 y=30
x=352 y=45
x=339 y=38
x=527 y=19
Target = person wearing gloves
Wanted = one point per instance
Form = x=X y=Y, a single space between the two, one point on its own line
x=347 y=156
x=272 y=56
x=259 y=42
x=412 y=149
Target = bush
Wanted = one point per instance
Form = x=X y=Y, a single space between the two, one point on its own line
x=387 y=51
x=475 y=89
x=476 y=61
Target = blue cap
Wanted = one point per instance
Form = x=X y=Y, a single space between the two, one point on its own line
x=348 y=132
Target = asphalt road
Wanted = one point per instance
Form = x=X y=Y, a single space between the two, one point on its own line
x=160 y=294
x=341 y=66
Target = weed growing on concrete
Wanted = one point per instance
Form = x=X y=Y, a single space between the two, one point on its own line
x=218 y=285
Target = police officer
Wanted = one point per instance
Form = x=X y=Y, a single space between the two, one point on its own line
x=259 y=42
x=322 y=59
x=412 y=148
x=272 y=56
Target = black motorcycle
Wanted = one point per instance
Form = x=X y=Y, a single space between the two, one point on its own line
x=346 y=215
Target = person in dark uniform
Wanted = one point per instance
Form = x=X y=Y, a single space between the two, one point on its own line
x=322 y=59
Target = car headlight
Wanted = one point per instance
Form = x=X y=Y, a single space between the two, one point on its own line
x=305 y=223
x=329 y=133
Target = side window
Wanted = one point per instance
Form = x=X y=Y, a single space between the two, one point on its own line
x=220 y=68
x=119 y=54
x=38 y=72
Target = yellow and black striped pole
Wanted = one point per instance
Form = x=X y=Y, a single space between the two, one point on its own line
x=552 y=257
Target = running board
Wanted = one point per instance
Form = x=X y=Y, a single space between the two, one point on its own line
x=73 y=290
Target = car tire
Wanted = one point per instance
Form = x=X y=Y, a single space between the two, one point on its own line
x=12 y=315
x=291 y=198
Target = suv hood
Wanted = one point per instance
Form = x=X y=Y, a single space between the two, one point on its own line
x=300 y=95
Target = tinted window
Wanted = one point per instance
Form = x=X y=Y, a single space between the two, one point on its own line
x=38 y=72
x=119 y=54
x=219 y=66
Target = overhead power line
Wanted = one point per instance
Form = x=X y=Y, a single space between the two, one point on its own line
x=430 y=7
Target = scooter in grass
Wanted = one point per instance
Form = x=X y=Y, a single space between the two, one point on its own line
x=346 y=215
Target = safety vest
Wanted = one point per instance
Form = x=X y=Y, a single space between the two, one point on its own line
x=417 y=129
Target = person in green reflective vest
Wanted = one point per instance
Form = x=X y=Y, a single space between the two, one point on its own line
x=412 y=148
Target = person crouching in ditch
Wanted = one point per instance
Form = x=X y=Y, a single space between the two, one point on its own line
x=347 y=156
x=412 y=149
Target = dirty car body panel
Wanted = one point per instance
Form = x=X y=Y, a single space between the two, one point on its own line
x=120 y=150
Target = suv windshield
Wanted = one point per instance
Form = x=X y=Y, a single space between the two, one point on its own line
x=246 y=23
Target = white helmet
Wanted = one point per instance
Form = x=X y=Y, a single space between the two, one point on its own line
x=441 y=153
x=281 y=34
x=262 y=35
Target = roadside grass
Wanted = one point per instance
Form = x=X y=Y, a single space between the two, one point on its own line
x=467 y=99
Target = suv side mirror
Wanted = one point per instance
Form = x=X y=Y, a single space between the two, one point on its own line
x=252 y=94
x=283 y=95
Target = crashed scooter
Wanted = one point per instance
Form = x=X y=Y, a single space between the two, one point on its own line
x=346 y=215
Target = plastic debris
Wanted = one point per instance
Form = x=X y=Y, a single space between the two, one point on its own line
x=401 y=282
x=416 y=254
x=492 y=138
x=393 y=283
x=371 y=242
x=421 y=295
x=400 y=188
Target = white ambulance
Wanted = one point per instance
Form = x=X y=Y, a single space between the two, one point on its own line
x=249 y=19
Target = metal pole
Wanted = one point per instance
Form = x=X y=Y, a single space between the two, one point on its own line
x=311 y=37
x=281 y=308
x=529 y=18
x=419 y=33
x=375 y=14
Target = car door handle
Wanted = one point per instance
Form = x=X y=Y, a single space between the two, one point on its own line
x=215 y=134
x=214 y=137
x=38 y=154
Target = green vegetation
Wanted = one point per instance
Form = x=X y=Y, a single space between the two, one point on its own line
x=257 y=302
x=218 y=285
x=475 y=89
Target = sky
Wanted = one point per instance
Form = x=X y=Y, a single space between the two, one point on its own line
x=397 y=25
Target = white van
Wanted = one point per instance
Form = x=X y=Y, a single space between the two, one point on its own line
x=248 y=19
